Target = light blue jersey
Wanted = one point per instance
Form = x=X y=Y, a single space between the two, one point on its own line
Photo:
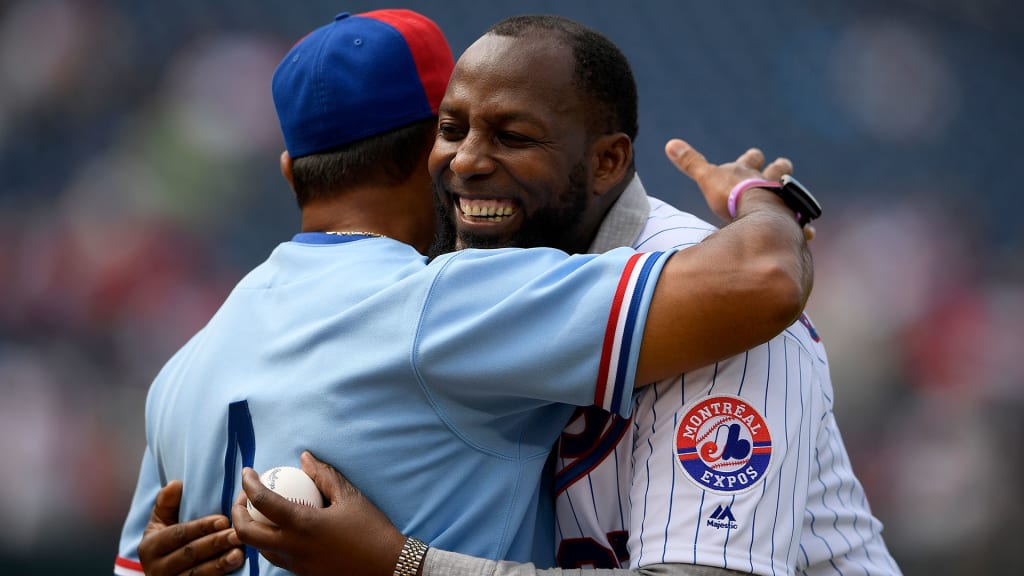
x=437 y=389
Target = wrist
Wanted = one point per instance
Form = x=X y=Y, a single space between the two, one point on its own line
x=741 y=188
x=410 y=559
x=757 y=198
x=793 y=195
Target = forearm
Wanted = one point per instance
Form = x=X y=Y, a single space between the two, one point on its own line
x=740 y=287
x=443 y=563
x=776 y=245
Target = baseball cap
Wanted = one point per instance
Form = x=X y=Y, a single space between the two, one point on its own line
x=359 y=76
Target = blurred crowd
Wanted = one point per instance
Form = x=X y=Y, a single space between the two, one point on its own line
x=139 y=146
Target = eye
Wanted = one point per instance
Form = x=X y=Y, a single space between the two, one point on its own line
x=515 y=140
x=450 y=131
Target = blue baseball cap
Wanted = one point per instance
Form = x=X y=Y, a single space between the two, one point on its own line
x=359 y=76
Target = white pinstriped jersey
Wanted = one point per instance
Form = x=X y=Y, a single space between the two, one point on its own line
x=739 y=465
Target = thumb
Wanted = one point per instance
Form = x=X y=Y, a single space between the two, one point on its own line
x=272 y=505
x=168 y=500
x=687 y=159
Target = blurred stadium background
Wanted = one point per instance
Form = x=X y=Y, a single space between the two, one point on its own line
x=138 y=147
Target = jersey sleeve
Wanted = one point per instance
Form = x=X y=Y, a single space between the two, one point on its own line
x=721 y=458
x=546 y=327
x=127 y=561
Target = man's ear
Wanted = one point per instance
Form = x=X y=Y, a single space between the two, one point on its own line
x=611 y=157
x=286 y=168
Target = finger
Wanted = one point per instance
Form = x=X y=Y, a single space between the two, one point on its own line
x=688 y=160
x=251 y=532
x=274 y=506
x=192 y=554
x=230 y=561
x=160 y=541
x=752 y=158
x=328 y=481
x=202 y=552
x=219 y=566
x=279 y=560
x=778 y=168
x=241 y=500
x=168 y=500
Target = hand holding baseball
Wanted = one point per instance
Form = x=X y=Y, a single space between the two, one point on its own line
x=348 y=536
x=291 y=483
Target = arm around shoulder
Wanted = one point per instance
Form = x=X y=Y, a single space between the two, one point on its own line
x=739 y=288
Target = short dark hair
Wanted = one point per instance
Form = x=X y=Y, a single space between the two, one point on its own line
x=385 y=159
x=601 y=71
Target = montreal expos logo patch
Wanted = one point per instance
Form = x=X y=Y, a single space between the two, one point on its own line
x=723 y=444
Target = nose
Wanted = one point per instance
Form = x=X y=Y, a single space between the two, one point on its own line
x=472 y=156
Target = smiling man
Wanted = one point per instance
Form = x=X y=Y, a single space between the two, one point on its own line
x=736 y=466
x=524 y=175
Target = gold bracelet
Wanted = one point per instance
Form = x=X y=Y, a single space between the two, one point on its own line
x=411 y=557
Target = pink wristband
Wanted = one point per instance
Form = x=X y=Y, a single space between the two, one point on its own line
x=739 y=189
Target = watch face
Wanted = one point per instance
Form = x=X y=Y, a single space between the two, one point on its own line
x=799 y=199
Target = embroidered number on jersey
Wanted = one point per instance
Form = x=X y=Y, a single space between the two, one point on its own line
x=594 y=458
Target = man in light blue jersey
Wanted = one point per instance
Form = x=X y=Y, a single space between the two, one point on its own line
x=438 y=387
x=737 y=467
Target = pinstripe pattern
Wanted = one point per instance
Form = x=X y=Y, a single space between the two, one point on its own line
x=806 y=514
x=588 y=496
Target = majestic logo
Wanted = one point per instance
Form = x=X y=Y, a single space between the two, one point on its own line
x=723 y=518
x=723 y=444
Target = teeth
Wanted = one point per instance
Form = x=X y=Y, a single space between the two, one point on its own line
x=495 y=210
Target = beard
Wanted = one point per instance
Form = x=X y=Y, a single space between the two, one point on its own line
x=444 y=230
x=555 y=224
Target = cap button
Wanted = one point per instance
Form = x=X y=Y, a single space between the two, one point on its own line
x=341 y=16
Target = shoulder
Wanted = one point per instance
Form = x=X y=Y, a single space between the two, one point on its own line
x=668 y=227
x=476 y=279
x=526 y=263
x=804 y=332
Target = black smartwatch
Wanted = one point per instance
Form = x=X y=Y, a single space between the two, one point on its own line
x=799 y=199
x=793 y=193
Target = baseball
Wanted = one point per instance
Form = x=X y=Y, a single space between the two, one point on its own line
x=293 y=484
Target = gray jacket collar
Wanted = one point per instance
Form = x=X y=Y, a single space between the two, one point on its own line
x=624 y=221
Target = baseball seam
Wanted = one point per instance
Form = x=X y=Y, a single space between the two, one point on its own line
x=714 y=426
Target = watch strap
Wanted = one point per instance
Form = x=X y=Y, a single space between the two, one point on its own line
x=743 y=186
x=411 y=557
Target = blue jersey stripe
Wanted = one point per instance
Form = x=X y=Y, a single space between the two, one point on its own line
x=778 y=495
x=609 y=440
x=635 y=301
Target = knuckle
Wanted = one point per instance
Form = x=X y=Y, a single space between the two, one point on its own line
x=259 y=500
x=179 y=533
